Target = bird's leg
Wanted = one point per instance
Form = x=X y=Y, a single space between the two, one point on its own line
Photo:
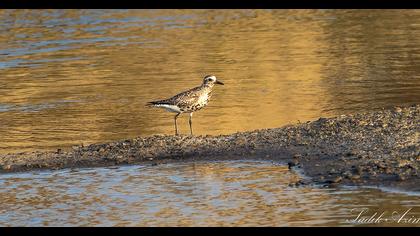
x=176 y=126
x=190 y=121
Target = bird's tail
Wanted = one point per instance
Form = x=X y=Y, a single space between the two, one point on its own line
x=150 y=104
x=154 y=103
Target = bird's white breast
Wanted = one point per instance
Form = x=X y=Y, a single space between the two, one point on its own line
x=203 y=99
x=170 y=108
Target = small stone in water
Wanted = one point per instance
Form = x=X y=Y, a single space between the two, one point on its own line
x=338 y=179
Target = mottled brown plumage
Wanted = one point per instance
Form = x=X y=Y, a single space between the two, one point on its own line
x=189 y=101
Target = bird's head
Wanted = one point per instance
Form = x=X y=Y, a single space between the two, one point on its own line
x=210 y=80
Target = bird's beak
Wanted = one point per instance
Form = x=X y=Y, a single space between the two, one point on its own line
x=219 y=82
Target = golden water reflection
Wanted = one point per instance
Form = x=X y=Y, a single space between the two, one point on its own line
x=229 y=193
x=83 y=76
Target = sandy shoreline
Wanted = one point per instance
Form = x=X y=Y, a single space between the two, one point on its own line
x=375 y=148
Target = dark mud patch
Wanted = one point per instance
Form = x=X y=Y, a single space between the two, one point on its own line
x=376 y=148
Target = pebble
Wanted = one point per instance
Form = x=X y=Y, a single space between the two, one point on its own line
x=401 y=177
x=403 y=163
x=297 y=156
x=337 y=179
x=347 y=174
x=6 y=167
x=332 y=171
x=292 y=163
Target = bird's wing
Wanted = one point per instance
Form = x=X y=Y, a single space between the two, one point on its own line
x=186 y=98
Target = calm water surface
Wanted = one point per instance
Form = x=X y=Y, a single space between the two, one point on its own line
x=228 y=193
x=83 y=76
x=70 y=77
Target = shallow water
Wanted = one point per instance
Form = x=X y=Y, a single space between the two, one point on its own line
x=227 y=193
x=83 y=76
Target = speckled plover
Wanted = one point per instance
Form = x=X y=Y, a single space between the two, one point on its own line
x=189 y=101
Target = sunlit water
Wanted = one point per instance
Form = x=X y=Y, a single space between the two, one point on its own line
x=69 y=77
x=228 y=193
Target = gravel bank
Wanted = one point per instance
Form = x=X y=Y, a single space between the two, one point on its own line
x=375 y=148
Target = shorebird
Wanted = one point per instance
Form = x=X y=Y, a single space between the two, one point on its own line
x=189 y=101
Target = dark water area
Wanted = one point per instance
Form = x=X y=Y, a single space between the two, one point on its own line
x=71 y=77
